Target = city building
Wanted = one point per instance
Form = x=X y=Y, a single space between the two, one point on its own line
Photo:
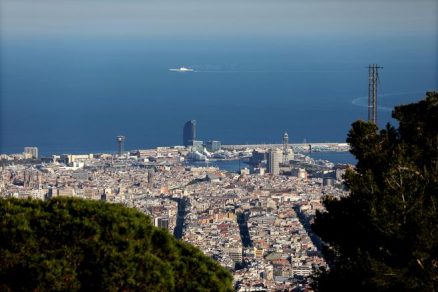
x=258 y=157
x=285 y=148
x=235 y=254
x=69 y=159
x=197 y=145
x=302 y=173
x=31 y=152
x=161 y=222
x=189 y=132
x=244 y=171
x=274 y=158
x=213 y=146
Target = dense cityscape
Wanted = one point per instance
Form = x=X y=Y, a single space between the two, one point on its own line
x=255 y=222
x=218 y=145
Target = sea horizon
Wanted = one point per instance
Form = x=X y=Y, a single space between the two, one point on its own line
x=81 y=93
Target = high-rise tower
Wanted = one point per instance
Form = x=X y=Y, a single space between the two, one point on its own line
x=373 y=76
x=273 y=161
x=189 y=132
x=120 y=144
x=285 y=146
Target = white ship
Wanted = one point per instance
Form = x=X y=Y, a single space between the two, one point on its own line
x=182 y=69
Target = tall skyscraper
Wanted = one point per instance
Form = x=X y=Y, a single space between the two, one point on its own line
x=189 y=132
x=31 y=151
x=273 y=161
x=285 y=147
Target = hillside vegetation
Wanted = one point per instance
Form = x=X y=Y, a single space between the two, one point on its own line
x=72 y=244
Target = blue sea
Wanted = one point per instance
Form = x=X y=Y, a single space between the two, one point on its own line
x=75 y=95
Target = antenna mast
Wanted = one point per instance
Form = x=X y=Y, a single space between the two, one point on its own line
x=373 y=76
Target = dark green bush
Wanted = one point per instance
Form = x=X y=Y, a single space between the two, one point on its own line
x=384 y=235
x=72 y=244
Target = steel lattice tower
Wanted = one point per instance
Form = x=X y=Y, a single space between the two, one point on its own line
x=373 y=77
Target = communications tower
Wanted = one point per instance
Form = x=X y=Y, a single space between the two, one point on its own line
x=120 y=144
x=373 y=77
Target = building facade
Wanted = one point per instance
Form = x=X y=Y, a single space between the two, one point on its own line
x=213 y=146
x=32 y=152
x=189 y=132
x=197 y=145
x=273 y=161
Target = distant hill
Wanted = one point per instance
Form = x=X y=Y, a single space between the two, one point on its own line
x=73 y=244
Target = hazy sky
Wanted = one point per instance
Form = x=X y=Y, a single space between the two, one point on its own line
x=205 y=18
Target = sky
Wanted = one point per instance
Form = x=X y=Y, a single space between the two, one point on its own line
x=212 y=19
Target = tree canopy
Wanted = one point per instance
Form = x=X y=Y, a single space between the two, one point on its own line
x=72 y=244
x=384 y=235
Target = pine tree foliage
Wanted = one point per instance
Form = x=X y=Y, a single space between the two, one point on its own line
x=384 y=235
x=71 y=245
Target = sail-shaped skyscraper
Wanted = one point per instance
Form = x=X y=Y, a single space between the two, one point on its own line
x=189 y=132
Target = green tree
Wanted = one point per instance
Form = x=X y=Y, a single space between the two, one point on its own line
x=71 y=244
x=384 y=235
